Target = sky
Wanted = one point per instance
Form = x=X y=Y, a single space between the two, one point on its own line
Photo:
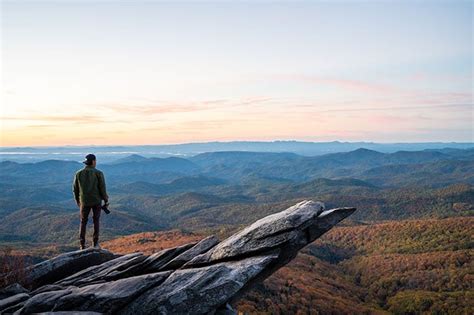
x=153 y=72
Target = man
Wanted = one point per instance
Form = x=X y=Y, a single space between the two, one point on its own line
x=89 y=191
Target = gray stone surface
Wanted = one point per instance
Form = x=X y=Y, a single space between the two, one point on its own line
x=99 y=272
x=12 y=300
x=198 y=290
x=203 y=246
x=202 y=278
x=125 y=266
x=11 y=290
x=156 y=261
x=64 y=265
x=46 y=288
x=106 y=297
x=270 y=232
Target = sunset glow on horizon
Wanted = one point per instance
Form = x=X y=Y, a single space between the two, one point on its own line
x=122 y=72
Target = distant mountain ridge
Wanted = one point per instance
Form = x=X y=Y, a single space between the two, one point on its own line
x=220 y=189
x=112 y=153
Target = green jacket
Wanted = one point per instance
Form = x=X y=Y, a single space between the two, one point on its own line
x=89 y=186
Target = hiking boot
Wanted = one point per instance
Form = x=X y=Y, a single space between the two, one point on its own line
x=82 y=246
x=97 y=246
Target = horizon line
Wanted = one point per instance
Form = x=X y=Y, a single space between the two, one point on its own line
x=237 y=141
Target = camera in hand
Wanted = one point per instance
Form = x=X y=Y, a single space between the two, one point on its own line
x=105 y=207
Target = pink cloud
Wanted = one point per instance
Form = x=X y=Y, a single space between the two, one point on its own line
x=58 y=118
x=356 y=85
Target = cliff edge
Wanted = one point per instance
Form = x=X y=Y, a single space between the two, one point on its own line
x=197 y=278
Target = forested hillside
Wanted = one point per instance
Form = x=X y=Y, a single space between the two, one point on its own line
x=406 y=250
x=404 y=267
x=223 y=190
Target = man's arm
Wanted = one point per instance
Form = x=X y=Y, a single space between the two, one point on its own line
x=102 y=187
x=75 y=189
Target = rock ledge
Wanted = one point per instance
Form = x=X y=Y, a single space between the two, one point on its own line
x=197 y=278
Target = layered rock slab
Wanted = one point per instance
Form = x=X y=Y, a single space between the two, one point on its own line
x=64 y=265
x=286 y=232
x=198 y=290
x=190 y=279
x=106 y=297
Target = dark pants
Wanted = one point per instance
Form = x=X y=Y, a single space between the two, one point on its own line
x=85 y=210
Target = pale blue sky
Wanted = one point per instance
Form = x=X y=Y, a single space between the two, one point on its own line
x=192 y=71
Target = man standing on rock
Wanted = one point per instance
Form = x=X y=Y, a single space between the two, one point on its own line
x=89 y=191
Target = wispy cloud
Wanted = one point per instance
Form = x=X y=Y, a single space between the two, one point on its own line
x=169 y=107
x=151 y=109
x=403 y=108
x=57 y=118
x=43 y=126
x=342 y=83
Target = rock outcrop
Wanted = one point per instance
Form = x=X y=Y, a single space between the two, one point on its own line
x=62 y=266
x=196 y=278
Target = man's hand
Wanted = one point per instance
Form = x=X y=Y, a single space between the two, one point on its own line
x=78 y=203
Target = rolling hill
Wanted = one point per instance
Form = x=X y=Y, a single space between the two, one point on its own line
x=407 y=249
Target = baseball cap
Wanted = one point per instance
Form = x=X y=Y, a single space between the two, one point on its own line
x=88 y=159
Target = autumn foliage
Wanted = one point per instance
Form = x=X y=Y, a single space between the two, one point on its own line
x=150 y=242
x=13 y=267
x=403 y=267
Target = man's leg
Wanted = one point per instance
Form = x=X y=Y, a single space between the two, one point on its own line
x=96 y=216
x=85 y=210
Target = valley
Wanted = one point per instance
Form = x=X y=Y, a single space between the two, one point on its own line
x=407 y=249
